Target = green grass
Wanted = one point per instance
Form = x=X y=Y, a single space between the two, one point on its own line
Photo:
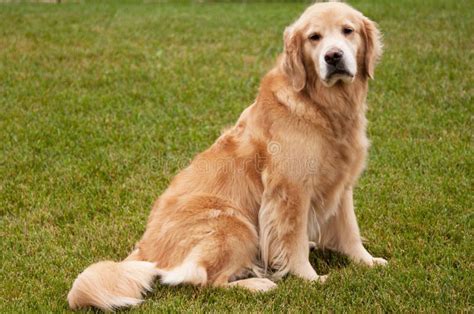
x=101 y=103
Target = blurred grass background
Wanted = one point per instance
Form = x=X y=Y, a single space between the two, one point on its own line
x=101 y=103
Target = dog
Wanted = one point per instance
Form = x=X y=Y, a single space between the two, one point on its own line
x=279 y=180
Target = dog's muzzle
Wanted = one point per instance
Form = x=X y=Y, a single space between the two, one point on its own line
x=335 y=64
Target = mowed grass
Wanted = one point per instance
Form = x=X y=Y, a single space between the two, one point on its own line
x=102 y=103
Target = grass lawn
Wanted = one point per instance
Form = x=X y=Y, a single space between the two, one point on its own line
x=101 y=103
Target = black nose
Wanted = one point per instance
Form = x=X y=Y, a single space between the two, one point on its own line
x=333 y=56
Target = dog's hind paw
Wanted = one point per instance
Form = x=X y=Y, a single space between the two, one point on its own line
x=255 y=284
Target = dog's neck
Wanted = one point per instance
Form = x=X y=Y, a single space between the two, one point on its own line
x=343 y=103
x=340 y=107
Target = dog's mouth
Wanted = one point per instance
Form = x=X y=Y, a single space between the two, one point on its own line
x=338 y=71
x=335 y=74
x=341 y=72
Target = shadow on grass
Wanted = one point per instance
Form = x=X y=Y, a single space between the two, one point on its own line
x=324 y=260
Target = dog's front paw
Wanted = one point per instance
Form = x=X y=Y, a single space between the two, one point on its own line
x=377 y=261
x=318 y=278
x=322 y=279
x=307 y=272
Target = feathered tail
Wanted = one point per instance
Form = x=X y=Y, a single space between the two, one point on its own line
x=109 y=285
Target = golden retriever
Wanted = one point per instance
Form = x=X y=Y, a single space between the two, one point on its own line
x=280 y=179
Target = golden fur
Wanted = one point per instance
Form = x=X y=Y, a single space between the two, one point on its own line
x=280 y=178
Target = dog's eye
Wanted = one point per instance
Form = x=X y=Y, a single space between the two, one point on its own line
x=347 y=30
x=315 y=37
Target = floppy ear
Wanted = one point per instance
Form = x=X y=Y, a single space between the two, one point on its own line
x=293 y=59
x=373 y=46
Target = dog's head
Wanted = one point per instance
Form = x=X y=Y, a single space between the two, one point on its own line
x=330 y=42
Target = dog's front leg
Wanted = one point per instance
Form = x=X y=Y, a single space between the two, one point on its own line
x=283 y=219
x=343 y=231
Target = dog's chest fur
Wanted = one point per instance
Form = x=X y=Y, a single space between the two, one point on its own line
x=334 y=146
x=338 y=171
